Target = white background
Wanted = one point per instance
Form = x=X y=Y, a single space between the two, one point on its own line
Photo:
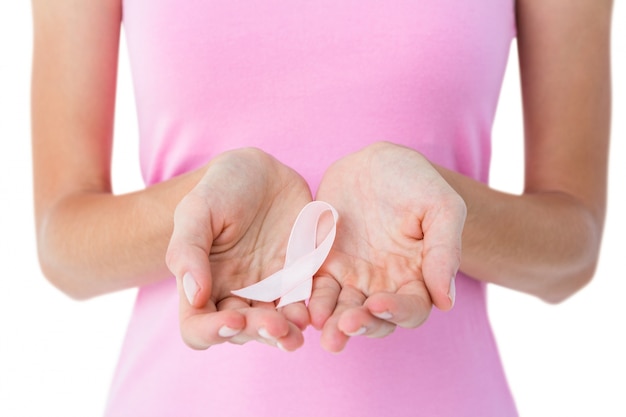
x=57 y=356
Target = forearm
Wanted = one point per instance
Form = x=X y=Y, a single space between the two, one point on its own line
x=92 y=243
x=546 y=241
x=545 y=244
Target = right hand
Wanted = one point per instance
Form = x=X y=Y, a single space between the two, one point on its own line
x=397 y=249
x=231 y=231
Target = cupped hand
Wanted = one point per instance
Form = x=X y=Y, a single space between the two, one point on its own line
x=231 y=231
x=397 y=249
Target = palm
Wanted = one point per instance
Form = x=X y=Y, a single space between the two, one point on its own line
x=257 y=224
x=397 y=246
x=231 y=231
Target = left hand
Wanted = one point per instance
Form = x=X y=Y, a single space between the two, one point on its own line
x=230 y=231
x=398 y=245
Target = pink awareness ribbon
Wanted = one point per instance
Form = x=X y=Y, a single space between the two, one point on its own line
x=303 y=259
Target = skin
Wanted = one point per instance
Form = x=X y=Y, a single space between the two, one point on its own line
x=234 y=214
x=544 y=242
x=396 y=249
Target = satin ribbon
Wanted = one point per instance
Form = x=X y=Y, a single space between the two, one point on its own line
x=303 y=259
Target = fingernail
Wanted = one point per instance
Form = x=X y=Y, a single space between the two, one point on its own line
x=385 y=315
x=265 y=334
x=359 y=332
x=281 y=347
x=452 y=291
x=190 y=286
x=226 y=331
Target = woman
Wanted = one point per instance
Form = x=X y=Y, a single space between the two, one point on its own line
x=316 y=87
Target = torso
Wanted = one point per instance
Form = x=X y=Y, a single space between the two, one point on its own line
x=309 y=82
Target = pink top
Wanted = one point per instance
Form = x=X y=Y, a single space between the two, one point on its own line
x=310 y=81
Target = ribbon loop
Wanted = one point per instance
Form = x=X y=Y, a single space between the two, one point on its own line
x=303 y=259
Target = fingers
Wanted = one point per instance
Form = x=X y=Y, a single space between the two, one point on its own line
x=333 y=339
x=233 y=320
x=374 y=316
x=408 y=308
x=323 y=300
x=266 y=325
x=201 y=331
x=442 y=251
x=351 y=318
x=297 y=314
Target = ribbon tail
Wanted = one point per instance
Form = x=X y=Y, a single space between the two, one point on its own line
x=267 y=290
x=299 y=293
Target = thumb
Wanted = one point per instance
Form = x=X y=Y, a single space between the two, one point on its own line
x=442 y=253
x=189 y=248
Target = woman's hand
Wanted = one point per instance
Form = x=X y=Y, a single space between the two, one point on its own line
x=397 y=249
x=231 y=231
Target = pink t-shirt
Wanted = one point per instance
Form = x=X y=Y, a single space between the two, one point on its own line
x=310 y=81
